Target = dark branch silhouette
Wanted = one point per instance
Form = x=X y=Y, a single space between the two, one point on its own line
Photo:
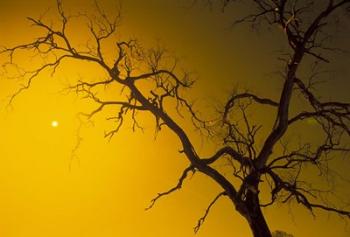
x=202 y=219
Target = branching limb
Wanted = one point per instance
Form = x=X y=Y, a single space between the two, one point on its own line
x=330 y=209
x=230 y=152
x=35 y=73
x=300 y=194
x=240 y=133
x=231 y=102
x=177 y=187
x=332 y=112
x=203 y=218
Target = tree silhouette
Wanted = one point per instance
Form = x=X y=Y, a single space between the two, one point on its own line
x=150 y=82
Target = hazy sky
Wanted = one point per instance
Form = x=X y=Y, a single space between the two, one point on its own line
x=103 y=190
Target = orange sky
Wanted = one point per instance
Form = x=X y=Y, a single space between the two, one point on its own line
x=103 y=190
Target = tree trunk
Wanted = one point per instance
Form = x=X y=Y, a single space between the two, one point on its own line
x=259 y=226
x=255 y=217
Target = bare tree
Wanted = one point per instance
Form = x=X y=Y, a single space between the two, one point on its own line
x=151 y=82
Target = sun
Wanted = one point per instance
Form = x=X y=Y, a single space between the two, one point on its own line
x=54 y=124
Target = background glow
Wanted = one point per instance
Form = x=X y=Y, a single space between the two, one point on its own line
x=48 y=189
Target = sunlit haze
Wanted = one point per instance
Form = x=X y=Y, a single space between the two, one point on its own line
x=59 y=174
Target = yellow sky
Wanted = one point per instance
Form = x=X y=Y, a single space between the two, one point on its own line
x=103 y=190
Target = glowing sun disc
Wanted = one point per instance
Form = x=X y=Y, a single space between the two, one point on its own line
x=54 y=124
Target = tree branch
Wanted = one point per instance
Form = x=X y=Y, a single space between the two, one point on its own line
x=203 y=218
x=177 y=187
